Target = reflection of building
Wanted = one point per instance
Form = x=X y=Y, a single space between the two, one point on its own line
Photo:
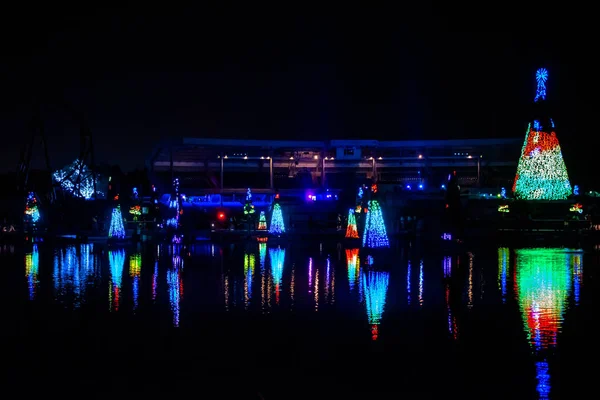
x=543 y=284
x=213 y=164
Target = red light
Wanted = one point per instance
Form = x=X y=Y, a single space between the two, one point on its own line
x=277 y=195
x=221 y=216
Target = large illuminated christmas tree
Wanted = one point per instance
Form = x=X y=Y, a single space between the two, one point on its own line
x=375 y=233
x=277 y=225
x=116 y=230
x=541 y=173
x=351 y=229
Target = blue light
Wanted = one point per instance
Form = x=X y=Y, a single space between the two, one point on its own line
x=420 y=186
x=536 y=125
x=541 y=76
x=576 y=190
x=444 y=187
x=408 y=187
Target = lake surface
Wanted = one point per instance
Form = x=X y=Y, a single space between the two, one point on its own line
x=309 y=320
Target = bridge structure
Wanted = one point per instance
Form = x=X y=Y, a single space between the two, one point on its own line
x=226 y=167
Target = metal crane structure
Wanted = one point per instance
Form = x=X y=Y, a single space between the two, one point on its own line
x=45 y=188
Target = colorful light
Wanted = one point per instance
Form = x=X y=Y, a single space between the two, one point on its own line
x=375 y=287
x=351 y=229
x=375 y=233
x=277 y=225
x=116 y=230
x=277 y=257
x=76 y=179
x=262 y=221
x=175 y=285
x=543 y=283
x=31 y=208
x=576 y=208
x=353 y=267
x=504 y=208
x=135 y=271
x=541 y=172
x=503 y=262
x=68 y=282
x=32 y=267
x=249 y=264
x=116 y=262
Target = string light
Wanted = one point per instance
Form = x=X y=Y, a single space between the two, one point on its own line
x=541 y=172
x=375 y=233
x=262 y=221
x=76 y=179
x=277 y=224
x=116 y=230
x=351 y=229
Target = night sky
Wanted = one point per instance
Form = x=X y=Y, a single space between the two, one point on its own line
x=249 y=74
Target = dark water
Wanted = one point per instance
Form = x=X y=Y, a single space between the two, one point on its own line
x=307 y=321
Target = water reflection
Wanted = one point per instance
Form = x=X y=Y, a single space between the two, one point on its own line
x=175 y=285
x=449 y=296
x=72 y=272
x=135 y=271
x=421 y=283
x=277 y=258
x=543 y=284
x=249 y=264
x=116 y=262
x=353 y=263
x=375 y=287
x=503 y=260
x=32 y=267
x=408 y=286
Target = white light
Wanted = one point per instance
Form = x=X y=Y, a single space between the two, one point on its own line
x=420 y=156
x=316 y=157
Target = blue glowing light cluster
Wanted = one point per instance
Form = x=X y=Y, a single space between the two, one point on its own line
x=375 y=287
x=76 y=179
x=175 y=284
x=277 y=257
x=541 y=76
x=117 y=229
x=116 y=262
x=277 y=225
x=375 y=233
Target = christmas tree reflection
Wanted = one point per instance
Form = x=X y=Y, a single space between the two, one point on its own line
x=543 y=284
x=375 y=287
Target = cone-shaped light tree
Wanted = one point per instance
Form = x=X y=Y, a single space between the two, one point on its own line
x=262 y=221
x=351 y=229
x=541 y=172
x=277 y=225
x=375 y=233
x=116 y=230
